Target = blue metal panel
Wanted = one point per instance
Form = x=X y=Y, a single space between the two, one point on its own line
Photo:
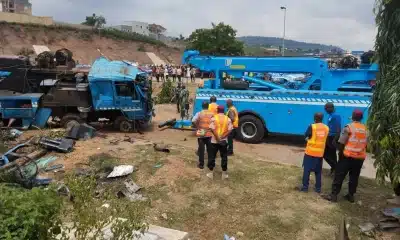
x=42 y=115
x=103 y=69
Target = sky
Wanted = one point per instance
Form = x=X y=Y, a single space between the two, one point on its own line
x=348 y=24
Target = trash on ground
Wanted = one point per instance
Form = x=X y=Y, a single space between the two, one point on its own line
x=130 y=192
x=366 y=227
x=158 y=165
x=11 y=154
x=129 y=139
x=392 y=212
x=15 y=133
x=54 y=167
x=161 y=148
x=81 y=131
x=63 y=145
x=390 y=226
x=43 y=162
x=42 y=181
x=121 y=170
x=226 y=237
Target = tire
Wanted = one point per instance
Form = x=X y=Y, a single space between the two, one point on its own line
x=123 y=125
x=251 y=129
x=70 y=120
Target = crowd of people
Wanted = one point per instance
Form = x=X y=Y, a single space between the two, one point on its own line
x=175 y=73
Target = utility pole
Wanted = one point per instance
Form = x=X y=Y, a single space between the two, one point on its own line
x=284 y=30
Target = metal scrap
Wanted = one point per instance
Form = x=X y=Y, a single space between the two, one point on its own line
x=63 y=145
x=121 y=170
x=130 y=192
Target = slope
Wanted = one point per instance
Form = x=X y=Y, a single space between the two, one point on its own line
x=83 y=43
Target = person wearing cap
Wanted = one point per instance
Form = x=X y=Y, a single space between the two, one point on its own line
x=316 y=136
x=352 y=153
x=233 y=114
x=202 y=121
x=213 y=105
x=221 y=127
x=334 y=124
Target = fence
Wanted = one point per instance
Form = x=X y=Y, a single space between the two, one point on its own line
x=24 y=18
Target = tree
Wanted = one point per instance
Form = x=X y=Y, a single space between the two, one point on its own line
x=95 y=21
x=156 y=29
x=219 y=40
x=384 y=120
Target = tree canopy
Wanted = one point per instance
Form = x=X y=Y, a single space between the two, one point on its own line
x=95 y=21
x=384 y=115
x=218 y=40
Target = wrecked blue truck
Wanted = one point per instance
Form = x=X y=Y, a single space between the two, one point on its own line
x=114 y=91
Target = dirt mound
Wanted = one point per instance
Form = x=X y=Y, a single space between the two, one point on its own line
x=83 y=44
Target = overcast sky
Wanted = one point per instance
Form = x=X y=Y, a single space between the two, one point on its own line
x=346 y=23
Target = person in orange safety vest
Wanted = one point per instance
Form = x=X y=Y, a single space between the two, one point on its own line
x=233 y=114
x=202 y=121
x=352 y=153
x=316 y=136
x=221 y=127
x=213 y=105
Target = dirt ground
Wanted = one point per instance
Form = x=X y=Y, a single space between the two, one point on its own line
x=84 y=47
x=258 y=201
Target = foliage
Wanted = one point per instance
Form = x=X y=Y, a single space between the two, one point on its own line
x=384 y=120
x=28 y=214
x=166 y=94
x=141 y=48
x=25 y=52
x=90 y=215
x=107 y=32
x=95 y=21
x=219 y=40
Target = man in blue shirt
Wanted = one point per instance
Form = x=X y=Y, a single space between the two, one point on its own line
x=335 y=125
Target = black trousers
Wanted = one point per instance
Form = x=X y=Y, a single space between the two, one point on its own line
x=346 y=166
x=177 y=105
x=204 y=144
x=230 y=140
x=223 y=151
x=330 y=154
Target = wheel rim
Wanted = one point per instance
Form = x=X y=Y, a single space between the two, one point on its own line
x=125 y=126
x=248 y=130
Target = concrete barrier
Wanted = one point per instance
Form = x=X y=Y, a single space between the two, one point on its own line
x=23 y=18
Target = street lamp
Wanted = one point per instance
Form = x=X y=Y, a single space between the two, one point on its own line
x=284 y=30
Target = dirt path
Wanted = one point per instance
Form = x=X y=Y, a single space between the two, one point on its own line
x=286 y=150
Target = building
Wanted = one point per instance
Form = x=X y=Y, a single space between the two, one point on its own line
x=16 y=6
x=134 y=26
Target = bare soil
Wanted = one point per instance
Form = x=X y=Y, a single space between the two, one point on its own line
x=83 y=45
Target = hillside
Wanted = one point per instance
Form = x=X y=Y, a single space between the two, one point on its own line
x=253 y=41
x=84 y=43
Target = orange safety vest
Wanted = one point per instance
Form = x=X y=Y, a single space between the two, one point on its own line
x=356 y=146
x=203 y=124
x=213 y=108
x=221 y=124
x=316 y=145
x=236 y=116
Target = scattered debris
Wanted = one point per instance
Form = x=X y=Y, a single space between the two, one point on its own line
x=54 y=167
x=392 y=212
x=81 y=131
x=390 y=226
x=226 y=237
x=15 y=133
x=164 y=216
x=130 y=192
x=240 y=234
x=11 y=154
x=158 y=165
x=121 y=170
x=129 y=139
x=45 y=161
x=63 y=145
x=366 y=227
x=161 y=148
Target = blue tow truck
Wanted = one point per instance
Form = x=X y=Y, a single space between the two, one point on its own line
x=265 y=106
x=116 y=91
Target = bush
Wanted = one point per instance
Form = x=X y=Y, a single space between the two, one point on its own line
x=141 y=48
x=28 y=214
x=166 y=94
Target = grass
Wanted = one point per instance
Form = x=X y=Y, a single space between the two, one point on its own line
x=258 y=200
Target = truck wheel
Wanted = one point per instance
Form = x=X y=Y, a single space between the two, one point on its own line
x=123 y=125
x=251 y=129
x=70 y=120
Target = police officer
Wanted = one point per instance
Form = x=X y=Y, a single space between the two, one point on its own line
x=233 y=114
x=177 y=92
x=316 y=136
x=213 y=105
x=334 y=124
x=184 y=101
x=352 y=153
x=202 y=122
